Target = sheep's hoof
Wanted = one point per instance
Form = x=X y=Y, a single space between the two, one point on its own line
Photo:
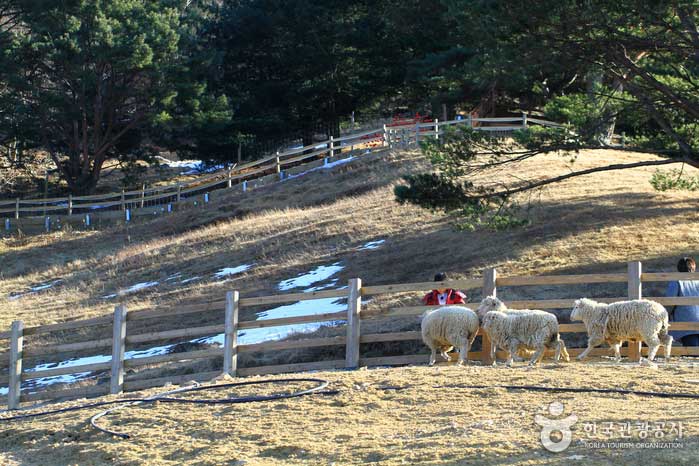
x=461 y=363
x=494 y=364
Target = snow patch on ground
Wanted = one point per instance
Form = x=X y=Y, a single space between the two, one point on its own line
x=193 y=166
x=34 y=289
x=132 y=289
x=228 y=271
x=189 y=280
x=372 y=245
x=327 y=166
x=317 y=275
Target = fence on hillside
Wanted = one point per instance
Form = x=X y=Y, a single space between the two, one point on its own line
x=229 y=325
x=125 y=205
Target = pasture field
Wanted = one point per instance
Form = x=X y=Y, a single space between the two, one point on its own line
x=325 y=217
x=396 y=416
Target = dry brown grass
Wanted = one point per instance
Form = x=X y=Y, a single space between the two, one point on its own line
x=578 y=227
x=584 y=225
x=365 y=423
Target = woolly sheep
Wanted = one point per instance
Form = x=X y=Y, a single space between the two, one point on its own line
x=520 y=330
x=614 y=323
x=449 y=326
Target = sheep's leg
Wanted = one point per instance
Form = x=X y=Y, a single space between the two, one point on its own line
x=433 y=356
x=653 y=345
x=668 y=347
x=557 y=354
x=564 y=351
x=463 y=351
x=616 y=346
x=538 y=355
x=445 y=352
x=591 y=343
x=493 y=351
x=514 y=344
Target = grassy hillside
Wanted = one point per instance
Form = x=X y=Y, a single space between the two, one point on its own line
x=584 y=225
x=384 y=416
x=591 y=224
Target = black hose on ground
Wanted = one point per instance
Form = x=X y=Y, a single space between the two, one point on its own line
x=540 y=388
x=165 y=398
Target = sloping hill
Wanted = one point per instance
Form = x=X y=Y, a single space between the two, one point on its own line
x=319 y=230
x=587 y=224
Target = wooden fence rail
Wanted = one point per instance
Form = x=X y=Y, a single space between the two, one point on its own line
x=161 y=199
x=115 y=365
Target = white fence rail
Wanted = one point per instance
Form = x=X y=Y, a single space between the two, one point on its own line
x=166 y=198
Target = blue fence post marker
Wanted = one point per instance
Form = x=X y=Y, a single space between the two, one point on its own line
x=87 y=220
x=128 y=215
x=47 y=224
x=7 y=224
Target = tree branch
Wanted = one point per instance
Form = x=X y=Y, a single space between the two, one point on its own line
x=619 y=166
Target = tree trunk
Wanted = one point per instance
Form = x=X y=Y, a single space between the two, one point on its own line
x=604 y=128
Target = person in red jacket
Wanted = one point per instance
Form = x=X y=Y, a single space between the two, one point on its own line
x=443 y=296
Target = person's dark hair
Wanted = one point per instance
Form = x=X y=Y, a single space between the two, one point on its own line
x=686 y=264
x=440 y=277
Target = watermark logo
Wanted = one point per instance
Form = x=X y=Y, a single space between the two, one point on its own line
x=560 y=428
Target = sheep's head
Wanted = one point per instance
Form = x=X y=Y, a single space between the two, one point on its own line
x=489 y=303
x=580 y=308
x=490 y=317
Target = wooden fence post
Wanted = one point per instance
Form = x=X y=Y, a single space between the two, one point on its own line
x=634 y=271
x=17 y=208
x=70 y=204
x=470 y=120
x=230 y=178
x=279 y=167
x=332 y=146
x=436 y=129
x=354 y=307
x=16 y=343
x=386 y=140
x=524 y=120
x=123 y=200
x=489 y=289
x=179 y=192
x=118 y=347
x=230 y=344
x=143 y=195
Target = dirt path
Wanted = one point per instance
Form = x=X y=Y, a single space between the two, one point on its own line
x=392 y=417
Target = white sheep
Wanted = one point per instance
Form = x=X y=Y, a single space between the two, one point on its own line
x=520 y=329
x=449 y=326
x=637 y=320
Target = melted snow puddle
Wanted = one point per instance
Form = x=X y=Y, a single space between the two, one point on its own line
x=317 y=276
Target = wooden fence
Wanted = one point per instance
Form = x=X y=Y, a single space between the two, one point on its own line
x=352 y=339
x=125 y=205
